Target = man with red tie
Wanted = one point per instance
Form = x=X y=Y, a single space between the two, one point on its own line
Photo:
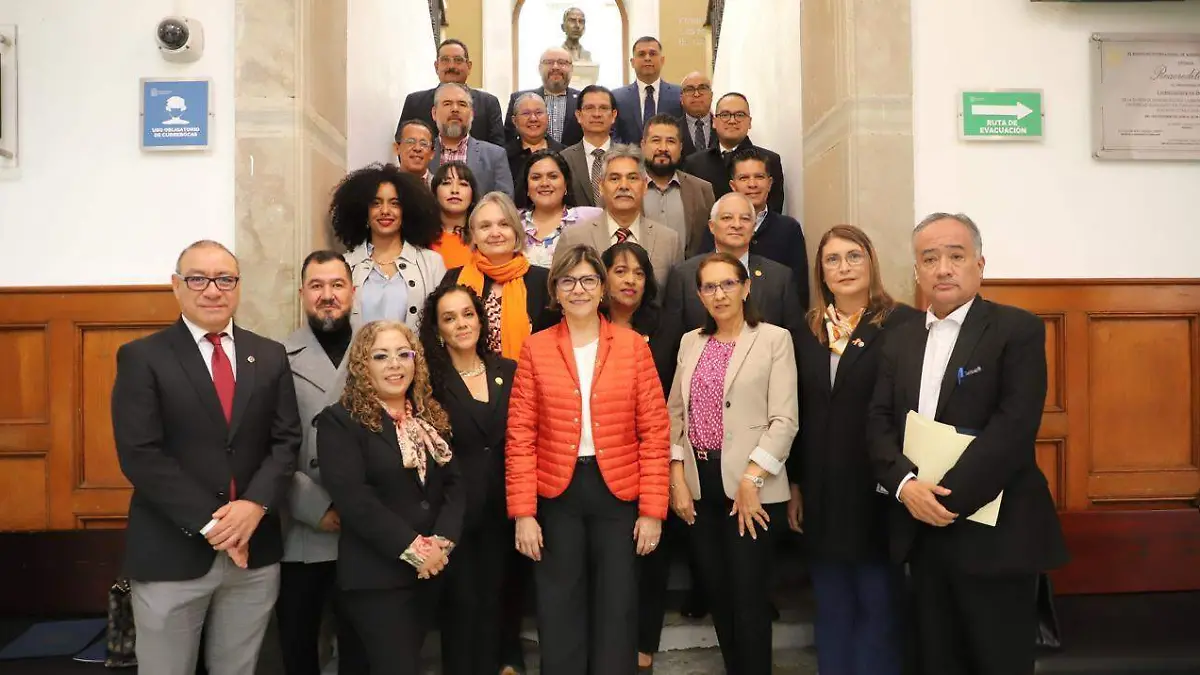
x=206 y=428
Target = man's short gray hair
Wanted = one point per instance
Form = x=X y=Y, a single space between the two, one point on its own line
x=204 y=243
x=437 y=93
x=962 y=218
x=625 y=151
x=528 y=96
x=712 y=215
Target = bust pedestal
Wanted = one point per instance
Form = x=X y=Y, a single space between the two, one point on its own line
x=585 y=73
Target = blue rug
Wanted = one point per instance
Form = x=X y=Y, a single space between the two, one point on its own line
x=54 y=638
x=96 y=652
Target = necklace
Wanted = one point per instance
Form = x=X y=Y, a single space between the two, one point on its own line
x=477 y=370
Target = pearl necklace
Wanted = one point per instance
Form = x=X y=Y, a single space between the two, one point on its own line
x=478 y=370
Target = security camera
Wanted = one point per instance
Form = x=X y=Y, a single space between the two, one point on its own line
x=180 y=39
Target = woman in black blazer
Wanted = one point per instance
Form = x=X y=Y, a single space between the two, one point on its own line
x=834 y=499
x=398 y=492
x=473 y=386
x=516 y=297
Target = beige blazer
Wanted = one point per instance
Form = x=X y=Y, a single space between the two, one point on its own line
x=761 y=412
x=660 y=241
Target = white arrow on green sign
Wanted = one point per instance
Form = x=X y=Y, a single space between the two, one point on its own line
x=1002 y=115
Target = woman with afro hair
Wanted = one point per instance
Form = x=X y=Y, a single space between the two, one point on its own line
x=387 y=220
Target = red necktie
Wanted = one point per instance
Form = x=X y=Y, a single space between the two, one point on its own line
x=222 y=375
x=623 y=233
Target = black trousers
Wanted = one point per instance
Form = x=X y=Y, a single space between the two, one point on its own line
x=587 y=579
x=476 y=635
x=392 y=623
x=969 y=624
x=304 y=591
x=654 y=571
x=736 y=574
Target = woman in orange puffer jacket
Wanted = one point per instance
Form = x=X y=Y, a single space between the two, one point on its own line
x=587 y=466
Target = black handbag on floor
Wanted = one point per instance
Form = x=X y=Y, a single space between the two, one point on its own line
x=1047 y=629
x=121 y=637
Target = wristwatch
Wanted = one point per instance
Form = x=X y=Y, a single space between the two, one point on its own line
x=757 y=480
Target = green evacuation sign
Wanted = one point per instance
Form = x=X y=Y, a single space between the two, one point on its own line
x=1002 y=115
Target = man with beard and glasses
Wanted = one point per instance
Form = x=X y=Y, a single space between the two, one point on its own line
x=561 y=125
x=679 y=200
x=452 y=112
x=454 y=65
x=310 y=550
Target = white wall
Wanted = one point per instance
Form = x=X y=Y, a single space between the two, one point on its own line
x=86 y=205
x=1048 y=209
x=381 y=70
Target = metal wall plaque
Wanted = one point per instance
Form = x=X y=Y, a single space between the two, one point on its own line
x=1146 y=96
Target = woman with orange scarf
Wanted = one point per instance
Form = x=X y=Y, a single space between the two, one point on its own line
x=515 y=296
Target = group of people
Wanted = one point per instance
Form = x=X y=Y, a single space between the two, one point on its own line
x=493 y=393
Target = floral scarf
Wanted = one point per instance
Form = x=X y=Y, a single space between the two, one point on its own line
x=840 y=327
x=418 y=440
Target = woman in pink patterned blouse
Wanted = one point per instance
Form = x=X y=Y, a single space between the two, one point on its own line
x=734 y=415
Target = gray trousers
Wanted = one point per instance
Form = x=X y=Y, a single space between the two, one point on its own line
x=168 y=617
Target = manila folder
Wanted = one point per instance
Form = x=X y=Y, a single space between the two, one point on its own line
x=935 y=448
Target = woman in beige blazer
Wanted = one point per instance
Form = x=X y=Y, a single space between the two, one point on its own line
x=733 y=418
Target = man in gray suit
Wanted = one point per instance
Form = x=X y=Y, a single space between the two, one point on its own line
x=623 y=185
x=309 y=570
x=452 y=112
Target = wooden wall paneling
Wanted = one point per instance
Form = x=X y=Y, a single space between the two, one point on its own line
x=1119 y=436
x=56 y=443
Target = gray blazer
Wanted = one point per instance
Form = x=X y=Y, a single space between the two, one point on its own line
x=488 y=162
x=316 y=378
x=761 y=411
x=660 y=241
x=581 y=174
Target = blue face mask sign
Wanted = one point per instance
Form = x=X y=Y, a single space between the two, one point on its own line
x=175 y=114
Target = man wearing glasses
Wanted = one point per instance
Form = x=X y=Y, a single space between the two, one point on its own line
x=454 y=65
x=732 y=123
x=206 y=426
x=696 y=99
x=560 y=100
x=414 y=148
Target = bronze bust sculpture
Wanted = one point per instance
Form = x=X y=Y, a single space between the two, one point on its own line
x=573 y=25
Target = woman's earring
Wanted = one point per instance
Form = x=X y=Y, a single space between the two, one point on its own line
x=441 y=342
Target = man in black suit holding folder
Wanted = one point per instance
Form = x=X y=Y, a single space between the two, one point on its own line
x=980 y=367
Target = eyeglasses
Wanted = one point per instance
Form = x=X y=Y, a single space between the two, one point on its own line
x=853 y=259
x=561 y=63
x=696 y=90
x=727 y=287
x=590 y=282
x=727 y=116
x=402 y=356
x=419 y=142
x=456 y=60
x=200 y=283
x=532 y=114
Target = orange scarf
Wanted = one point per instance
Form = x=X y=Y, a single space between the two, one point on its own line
x=514 y=315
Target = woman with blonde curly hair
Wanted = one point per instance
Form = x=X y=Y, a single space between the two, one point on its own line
x=387 y=465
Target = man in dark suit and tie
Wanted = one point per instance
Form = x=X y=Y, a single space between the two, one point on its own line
x=980 y=367
x=206 y=428
x=776 y=236
x=646 y=96
x=454 y=65
x=561 y=124
x=732 y=124
x=696 y=97
x=772 y=287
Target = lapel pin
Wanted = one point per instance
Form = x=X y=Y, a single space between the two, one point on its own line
x=249 y=359
x=858 y=342
x=758 y=273
x=499 y=380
